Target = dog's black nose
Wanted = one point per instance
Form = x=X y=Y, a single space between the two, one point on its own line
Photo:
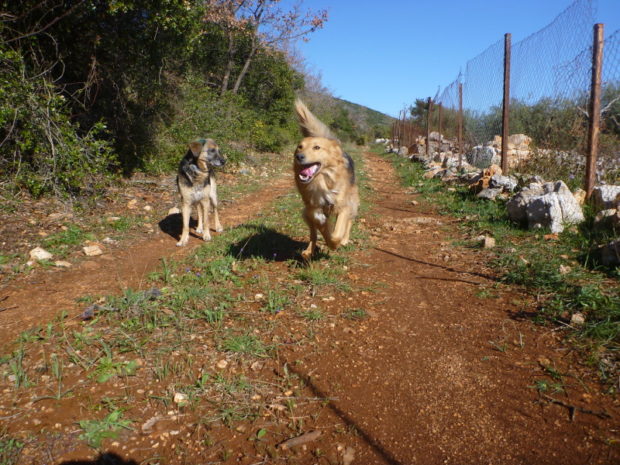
x=300 y=157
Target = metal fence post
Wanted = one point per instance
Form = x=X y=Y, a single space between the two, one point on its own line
x=460 y=123
x=506 y=102
x=595 y=109
x=429 y=115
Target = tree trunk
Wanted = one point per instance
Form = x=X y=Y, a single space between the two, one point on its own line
x=244 y=70
x=230 y=64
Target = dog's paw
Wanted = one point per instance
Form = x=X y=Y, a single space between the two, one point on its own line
x=199 y=231
x=182 y=243
x=306 y=255
x=219 y=228
x=206 y=237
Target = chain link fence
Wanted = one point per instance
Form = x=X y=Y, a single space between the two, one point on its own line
x=550 y=80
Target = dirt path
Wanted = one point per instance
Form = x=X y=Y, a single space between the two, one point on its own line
x=442 y=370
x=440 y=375
x=38 y=299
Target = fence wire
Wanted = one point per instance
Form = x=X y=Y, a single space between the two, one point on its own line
x=609 y=151
x=449 y=101
x=483 y=91
x=550 y=89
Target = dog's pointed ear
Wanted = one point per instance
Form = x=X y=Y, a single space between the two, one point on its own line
x=195 y=147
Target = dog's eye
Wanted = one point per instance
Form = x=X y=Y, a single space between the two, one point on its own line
x=316 y=147
x=299 y=147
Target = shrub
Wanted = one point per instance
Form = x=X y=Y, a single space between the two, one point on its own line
x=42 y=150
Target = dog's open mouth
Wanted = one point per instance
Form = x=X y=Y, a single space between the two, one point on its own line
x=309 y=172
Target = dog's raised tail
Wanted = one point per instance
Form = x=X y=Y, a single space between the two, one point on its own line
x=310 y=125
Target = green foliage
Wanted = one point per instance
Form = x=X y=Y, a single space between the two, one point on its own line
x=62 y=242
x=10 y=450
x=144 y=77
x=43 y=149
x=95 y=431
x=198 y=112
x=527 y=259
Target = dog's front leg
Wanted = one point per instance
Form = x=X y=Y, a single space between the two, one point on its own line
x=311 y=249
x=213 y=199
x=204 y=206
x=186 y=210
x=347 y=233
x=201 y=225
x=340 y=234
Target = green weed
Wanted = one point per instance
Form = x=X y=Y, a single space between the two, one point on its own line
x=61 y=243
x=276 y=302
x=355 y=314
x=10 y=450
x=244 y=344
x=95 y=431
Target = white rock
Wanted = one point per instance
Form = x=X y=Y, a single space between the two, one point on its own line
x=62 y=264
x=92 y=250
x=580 y=196
x=551 y=205
x=483 y=156
x=565 y=269
x=180 y=399
x=577 y=319
x=507 y=183
x=517 y=205
x=519 y=140
x=486 y=242
x=39 y=253
x=148 y=208
x=222 y=364
x=605 y=197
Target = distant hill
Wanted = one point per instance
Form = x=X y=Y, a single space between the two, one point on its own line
x=365 y=117
x=349 y=121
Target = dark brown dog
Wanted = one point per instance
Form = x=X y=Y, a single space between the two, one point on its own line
x=196 y=183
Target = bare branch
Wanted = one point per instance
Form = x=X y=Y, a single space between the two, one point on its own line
x=48 y=25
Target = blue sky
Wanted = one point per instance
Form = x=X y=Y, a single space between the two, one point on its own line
x=384 y=54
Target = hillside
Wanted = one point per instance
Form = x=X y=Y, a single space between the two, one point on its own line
x=371 y=118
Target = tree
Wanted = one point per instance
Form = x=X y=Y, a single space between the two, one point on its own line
x=250 y=25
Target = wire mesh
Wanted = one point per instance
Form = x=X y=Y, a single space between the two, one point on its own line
x=550 y=79
x=449 y=101
x=482 y=95
x=609 y=148
x=550 y=88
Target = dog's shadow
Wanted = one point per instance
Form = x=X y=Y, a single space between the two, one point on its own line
x=105 y=458
x=173 y=226
x=267 y=244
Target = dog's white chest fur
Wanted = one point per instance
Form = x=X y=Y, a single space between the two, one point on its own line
x=198 y=194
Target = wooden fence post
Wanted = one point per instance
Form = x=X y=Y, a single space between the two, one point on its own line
x=429 y=115
x=460 y=123
x=595 y=109
x=506 y=102
x=440 y=128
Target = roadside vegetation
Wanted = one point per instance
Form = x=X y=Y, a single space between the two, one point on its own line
x=197 y=353
x=559 y=270
x=96 y=90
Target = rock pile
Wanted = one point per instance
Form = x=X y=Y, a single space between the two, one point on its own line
x=483 y=156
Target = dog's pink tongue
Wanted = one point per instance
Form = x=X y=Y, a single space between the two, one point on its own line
x=308 y=171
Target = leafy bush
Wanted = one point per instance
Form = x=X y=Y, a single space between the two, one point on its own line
x=199 y=112
x=42 y=150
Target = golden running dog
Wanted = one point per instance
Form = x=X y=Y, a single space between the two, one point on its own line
x=325 y=178
x=196 y=183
